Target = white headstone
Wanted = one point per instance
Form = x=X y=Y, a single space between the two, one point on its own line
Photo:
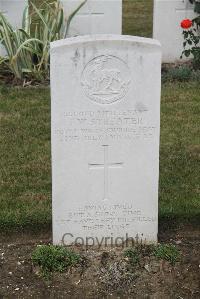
x=95 y=17
x=13 y=10
x=168 y=15
x=105 y=138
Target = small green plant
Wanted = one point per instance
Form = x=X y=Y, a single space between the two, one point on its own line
x=52 y=258
x=133 y=255
x=167 y=252
x=181 y=73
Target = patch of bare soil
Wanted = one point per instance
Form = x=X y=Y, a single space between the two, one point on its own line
x=103 y=273
x=8 y=79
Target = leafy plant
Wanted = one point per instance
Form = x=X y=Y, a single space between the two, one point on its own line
x=180 y=73
x=133 y=255
x=18 y=45
x=28 y=48
x=52 y=258
x=196 y=5
x=167 y=252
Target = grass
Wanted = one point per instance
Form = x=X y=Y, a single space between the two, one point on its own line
x=25 y=197
x=167 y=252
x=50 y=258
x=25 y=175
x=180 y=151
x=138 y=17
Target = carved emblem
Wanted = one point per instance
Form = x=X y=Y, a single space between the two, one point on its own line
x=105 y=79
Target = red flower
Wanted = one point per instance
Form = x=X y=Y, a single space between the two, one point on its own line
x=186 y=24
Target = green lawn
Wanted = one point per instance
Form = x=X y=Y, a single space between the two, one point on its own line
x=138 y=17
x=25 y=155
x=180 y=151
x=25 y=176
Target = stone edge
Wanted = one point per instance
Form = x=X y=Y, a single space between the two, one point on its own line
x=104 y=37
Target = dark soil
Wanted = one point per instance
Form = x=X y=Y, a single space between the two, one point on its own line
x=102 y=273
x=8 y=79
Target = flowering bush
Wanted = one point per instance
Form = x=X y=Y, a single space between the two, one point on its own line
x=191 y=34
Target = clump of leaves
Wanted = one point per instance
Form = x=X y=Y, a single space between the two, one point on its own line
x=182 y=73
x=133 y=255
x=28 y=48
x=167 y=252
x=196 y=5
x=52 y=258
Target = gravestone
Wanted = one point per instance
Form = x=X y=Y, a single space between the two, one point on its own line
x=168 y=15
x=13 y=10
x=105 y=92
x=95 y=17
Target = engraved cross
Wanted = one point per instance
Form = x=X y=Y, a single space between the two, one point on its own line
x=105 y=166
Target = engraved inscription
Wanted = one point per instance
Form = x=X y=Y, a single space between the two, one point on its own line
x=105 y=166
x=105 y=126
x=106 y=217
x=105 y=79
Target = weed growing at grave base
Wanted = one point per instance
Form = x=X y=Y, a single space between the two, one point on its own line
x=167 y=252
x=133 y=255
x=52 y=258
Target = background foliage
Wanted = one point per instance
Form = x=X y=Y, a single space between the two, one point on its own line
x=28 y=47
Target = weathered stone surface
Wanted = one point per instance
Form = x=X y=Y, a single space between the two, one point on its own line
x=105 y=138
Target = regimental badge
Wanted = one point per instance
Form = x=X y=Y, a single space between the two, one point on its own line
x=105 y=79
